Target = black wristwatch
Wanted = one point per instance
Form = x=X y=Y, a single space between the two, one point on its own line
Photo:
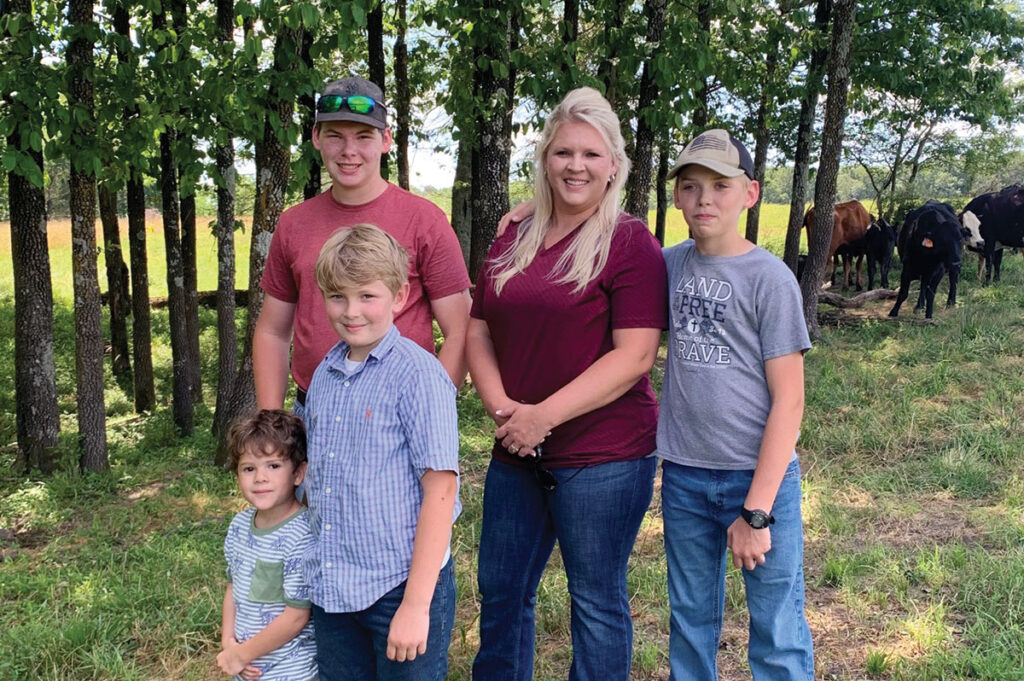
x=757 y=518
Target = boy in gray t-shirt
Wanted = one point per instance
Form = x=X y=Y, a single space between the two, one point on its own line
x=731 y=407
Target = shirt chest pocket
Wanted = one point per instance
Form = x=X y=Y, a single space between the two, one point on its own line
x=267 y=585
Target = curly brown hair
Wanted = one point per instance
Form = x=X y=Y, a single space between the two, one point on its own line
x=267 y=432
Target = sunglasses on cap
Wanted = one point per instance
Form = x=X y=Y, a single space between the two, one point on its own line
x=360 y=104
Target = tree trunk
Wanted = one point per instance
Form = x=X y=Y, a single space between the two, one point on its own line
x=375 y=47
x=117 y=282
x=607 y=71
x=570 y=33
x=491 y=156
x=273 y=164
x=35 y=382
x=638 y=186
x=307 y=107
x=402 y=98
x=183 y=150
x=181 y=390
x=805 y=135
x=663 y=166
x=182 y=407
x=761 y=140
x=142 y=351
x=462 y=200
x=92 y=431
x=701 y=111
x=224 y=154
x=831 y=151
x=191 y=281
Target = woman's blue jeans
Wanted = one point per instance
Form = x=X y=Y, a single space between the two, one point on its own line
x=595 y=514
x=698 y=506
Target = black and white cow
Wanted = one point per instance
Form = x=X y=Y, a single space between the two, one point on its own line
x=995 y=221
x=930 y=243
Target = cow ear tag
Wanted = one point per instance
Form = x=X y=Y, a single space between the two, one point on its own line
x=927 y=243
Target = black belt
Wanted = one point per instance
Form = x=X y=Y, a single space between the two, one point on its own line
x=300 y=396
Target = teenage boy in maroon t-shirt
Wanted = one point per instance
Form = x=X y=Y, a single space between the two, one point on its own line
x=351 y=134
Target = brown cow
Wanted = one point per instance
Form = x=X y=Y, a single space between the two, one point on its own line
x=851 y=224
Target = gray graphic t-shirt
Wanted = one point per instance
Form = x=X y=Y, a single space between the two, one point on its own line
x=727 y=315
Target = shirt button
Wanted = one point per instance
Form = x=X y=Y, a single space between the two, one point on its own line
x=327 y=527
x=327 y=491
x=328 y=563
x=337 y=419
x=346 y=384
x=331 y=455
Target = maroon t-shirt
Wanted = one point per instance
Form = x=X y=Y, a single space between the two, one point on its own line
x=436 y=267
x=545 y=335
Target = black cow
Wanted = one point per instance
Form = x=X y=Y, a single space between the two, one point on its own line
x=878 y=243
x=995 y=221
x=930 y=243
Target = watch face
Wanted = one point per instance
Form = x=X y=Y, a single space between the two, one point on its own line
x=757 y=518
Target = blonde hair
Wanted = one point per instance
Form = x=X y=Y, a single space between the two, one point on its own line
x=361 y=254
x=587 y=254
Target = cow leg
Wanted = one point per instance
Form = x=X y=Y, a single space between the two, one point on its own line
x=981 y=268
x=886 y=262
x=954 y=278
x=990 y=257
x=997 y=264
x=871 y=272
x=922 y=296
x=929 y=284
x=832 y=277
x=858 y=270
x=905 y=280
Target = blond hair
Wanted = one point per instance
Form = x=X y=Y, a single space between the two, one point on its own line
x=359 y=255
x=587 y=254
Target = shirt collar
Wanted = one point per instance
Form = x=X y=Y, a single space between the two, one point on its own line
x=335 y=357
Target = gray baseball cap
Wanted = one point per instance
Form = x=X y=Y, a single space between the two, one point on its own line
x=333 y=104
x=716 y=150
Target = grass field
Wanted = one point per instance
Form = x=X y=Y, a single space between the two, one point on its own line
x=912 y=449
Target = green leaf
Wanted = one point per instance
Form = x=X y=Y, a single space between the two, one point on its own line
x=9 y=160
x=358 y=14
x=310 y=17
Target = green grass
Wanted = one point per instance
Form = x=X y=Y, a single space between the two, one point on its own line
x=912 y=447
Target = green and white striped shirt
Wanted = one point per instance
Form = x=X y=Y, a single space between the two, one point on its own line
x=265 y=570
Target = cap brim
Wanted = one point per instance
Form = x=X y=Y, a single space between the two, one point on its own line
x=722 y=169
x=351 y=116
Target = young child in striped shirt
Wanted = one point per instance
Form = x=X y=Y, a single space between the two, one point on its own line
x=267 y=632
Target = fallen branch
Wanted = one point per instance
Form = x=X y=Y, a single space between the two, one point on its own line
x=837 y=318
x=207 y=299
x=837 y=300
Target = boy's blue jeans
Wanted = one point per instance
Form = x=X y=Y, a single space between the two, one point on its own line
x=352 y=646
x=594 y=514
x=698 y=506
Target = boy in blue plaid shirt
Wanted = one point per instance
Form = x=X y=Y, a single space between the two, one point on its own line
x=382 y=482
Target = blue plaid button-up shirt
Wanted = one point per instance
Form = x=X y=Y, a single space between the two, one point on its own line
x=372 y=435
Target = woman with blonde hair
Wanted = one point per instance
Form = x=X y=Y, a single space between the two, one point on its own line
x=565 y=327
